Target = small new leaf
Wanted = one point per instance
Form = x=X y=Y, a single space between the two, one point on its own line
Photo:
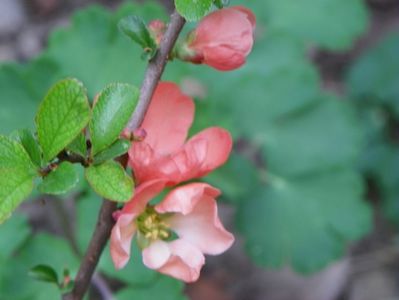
x=28 y=141
x=135 y=28
x=110 y=181
x=62 y=115
x=111 y=113
x=60 y=181
x=78 y=145
x=44 y=273
x=193 y=10
x=116 y=149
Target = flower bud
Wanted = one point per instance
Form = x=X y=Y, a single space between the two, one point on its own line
x=157 y=29
x=223 y=39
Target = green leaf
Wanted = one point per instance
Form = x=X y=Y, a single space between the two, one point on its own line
x=235 y=178
x=385 y=172
x=78 y=145
x=21 y=88
x=31 y=146
x=13 y=234
x=193 y=10
x=13 y=155
x=60 y=180
x=276 y=81
x=306 y=222
x=298 y=144
x=13 y=190
x=116 y=149
x=44 y=273
x=110 y=181
x=111 y=113
x=333 y=24
x=221 y=3
x=135 y=28
x=62 y=115
x=94 y=50
x=164 y=288
x=16 y=176
x=47 y=249
x=375 y=75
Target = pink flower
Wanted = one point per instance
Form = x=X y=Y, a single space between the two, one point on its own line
x=188 y=211
x=223 y=39
x=163 y=153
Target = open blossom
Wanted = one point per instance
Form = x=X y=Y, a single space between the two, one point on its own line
x=223 y=39
x=175 y=233
x=163 y=152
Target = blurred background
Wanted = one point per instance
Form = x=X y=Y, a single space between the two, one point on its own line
x=312 y=188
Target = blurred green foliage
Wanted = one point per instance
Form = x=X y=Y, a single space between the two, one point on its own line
x=298 y=191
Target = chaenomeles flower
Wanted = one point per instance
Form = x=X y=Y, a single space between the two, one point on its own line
x=175 y=233
x=222 y=40
x=163 y=152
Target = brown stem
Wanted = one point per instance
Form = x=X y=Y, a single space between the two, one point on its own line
x=105 y=222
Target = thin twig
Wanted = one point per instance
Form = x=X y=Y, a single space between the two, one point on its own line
x=155 y=69
x=105 y=222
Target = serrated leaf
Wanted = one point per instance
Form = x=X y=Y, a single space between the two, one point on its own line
x=78 y=145
x=62 y=115
x=298 y=144
x=333 y=24
x=44 y=273
x=15 y=186
x=39 y=249
x=193 y=10
x=235 y=178
x=13 y=155
x=110 y=181
x=135 y=28
x=16 y=176
x=116 y=149
x=60 y=180
x=30 y=145
x=111 y=113
x=95 y=51
x=21 y=88
x=374 y=77
x=305 y=222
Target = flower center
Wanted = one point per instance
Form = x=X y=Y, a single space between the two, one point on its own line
x=152 y=226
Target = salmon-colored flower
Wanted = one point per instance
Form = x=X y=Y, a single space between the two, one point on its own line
x=163 y=153
x=223 y=39
x=174 y=234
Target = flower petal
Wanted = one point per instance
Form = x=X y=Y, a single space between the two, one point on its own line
x=121 y=239
x=142 y=195
x=223 y=27
x=223 y=58
x=219 y=144
x=183 y=199
x=185 y=262
x=249 y=14
x=168 y=118
x=203 y=153
x=156 y=255
x=196 y=220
